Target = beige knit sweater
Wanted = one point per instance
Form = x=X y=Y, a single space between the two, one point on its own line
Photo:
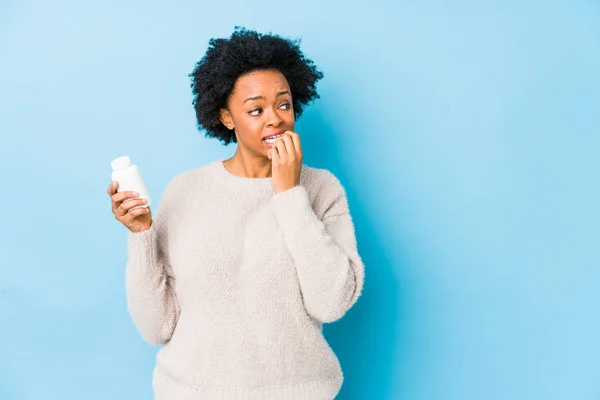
x=236 y=281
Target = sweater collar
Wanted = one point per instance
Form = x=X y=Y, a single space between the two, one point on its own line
x=248 y=184
x=238 y=182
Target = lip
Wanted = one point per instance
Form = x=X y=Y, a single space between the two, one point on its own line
x=273 y=134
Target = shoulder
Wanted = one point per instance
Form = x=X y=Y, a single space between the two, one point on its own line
x=196 y=173
x=186 y=182
x=191 y=177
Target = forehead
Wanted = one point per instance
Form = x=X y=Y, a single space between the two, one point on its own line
x=263 y=82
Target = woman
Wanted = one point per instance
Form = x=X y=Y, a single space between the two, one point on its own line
x=247 y=257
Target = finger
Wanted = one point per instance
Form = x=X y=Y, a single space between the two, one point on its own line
x=138 y=211
x=297 y=144
x=118 y=198
x=112 y=188
x=129 y=219
x=125 y=206
x=289 y=146
x=275 y=157
x=280 y=151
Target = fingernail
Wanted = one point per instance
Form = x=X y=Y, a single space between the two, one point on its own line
x=135 y=193
x=144 y=201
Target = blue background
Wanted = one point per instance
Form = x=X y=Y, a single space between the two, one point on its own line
x=466 y=134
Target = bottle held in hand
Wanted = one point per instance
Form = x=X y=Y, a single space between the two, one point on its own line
x=129 y=178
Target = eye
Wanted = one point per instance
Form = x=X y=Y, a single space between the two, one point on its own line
x=286 y=106
x=255 y=112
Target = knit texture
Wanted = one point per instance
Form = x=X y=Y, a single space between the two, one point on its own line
x=236 y=280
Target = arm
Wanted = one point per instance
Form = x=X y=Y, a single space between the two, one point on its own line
x=329 y=268
x=150 y=284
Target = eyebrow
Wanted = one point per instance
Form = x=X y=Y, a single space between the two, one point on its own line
x=262 y=98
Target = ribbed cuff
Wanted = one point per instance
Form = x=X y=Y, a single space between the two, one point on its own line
x=141 y=239
x=293 y=209
x=141 y=248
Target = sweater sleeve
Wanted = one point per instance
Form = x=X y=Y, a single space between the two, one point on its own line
x=150 y=284
x=330 y=270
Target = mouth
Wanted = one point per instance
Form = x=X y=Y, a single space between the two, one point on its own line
x=272 y=138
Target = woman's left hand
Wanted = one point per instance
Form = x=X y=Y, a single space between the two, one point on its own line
x=286 y=161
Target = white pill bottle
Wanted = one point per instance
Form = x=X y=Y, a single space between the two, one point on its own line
x=129 y=178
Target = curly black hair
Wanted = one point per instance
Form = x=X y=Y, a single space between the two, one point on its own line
x=214 y=76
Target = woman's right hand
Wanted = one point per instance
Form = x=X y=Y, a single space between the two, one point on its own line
x=136 y=220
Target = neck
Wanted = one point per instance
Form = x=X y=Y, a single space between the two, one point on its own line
x=248 y=166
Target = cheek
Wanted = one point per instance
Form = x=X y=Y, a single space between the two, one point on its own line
x=289 y=119
x=248 y=126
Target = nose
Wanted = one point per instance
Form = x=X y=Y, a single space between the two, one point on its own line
x=273 y=118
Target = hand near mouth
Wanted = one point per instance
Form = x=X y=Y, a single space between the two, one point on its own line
x=286 y=161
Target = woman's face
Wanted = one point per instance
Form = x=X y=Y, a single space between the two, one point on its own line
x=260 y=105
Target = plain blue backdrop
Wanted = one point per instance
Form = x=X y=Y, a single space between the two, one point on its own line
x=466 y=133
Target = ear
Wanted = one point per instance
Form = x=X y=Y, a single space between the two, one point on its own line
x=226 y=118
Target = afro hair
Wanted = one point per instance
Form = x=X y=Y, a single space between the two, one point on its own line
x=214 y=76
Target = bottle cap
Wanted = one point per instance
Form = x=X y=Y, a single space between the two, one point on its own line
x=120 y=163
